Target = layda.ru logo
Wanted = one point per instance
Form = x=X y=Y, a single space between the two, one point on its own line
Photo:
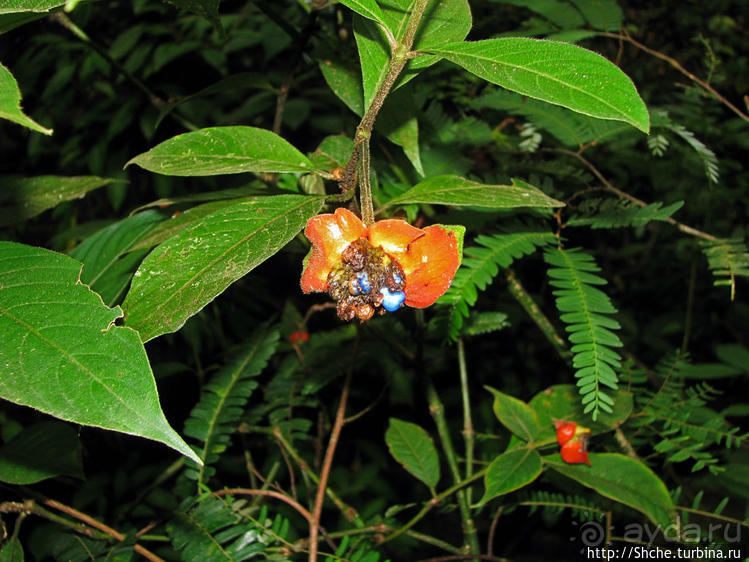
x=655 y=541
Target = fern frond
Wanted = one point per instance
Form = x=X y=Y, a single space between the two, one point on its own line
x=214 y=418
x=484 y=323
x=727 y=258
x=553 y=503
x=214 y=529
x=616 y=213
x=584 y=309
x=661 y=119
x=481 y=265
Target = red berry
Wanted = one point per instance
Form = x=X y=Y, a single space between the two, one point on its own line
x=565 y=431
x=575 y=451
x=299 y=336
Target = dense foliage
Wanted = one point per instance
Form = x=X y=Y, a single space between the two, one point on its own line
x=168 y=390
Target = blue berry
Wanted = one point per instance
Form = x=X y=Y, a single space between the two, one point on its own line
x=392 y=301
x=363 y=281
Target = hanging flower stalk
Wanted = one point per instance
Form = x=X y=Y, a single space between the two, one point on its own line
x=372 y=269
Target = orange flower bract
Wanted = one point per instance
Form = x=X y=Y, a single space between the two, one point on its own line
x=428 y=257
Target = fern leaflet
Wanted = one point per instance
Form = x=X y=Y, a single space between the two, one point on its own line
x=615 y=213
x=480 y=267
x=584 y=309
x=727 y=258
x=214 y=417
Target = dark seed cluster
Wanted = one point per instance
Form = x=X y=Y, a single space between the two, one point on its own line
x=368 y=281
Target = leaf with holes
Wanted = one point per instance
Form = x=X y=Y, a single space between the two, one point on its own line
x=62 y=354
x=189 y=270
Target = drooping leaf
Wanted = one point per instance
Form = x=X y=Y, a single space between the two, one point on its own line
x=62 y=354
x=412 y=447
x=510 y=471
x=397 y=121
x=24 y=197
x=622 y=479
x=189 y=270
x=10 y=103
x=515 y=415
x=345 y=83
x=454 y=190
x=555 y=72
x=223 y=150
x=107 y=256
x=43 y=450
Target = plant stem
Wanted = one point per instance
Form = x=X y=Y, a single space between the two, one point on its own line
x=468 y=431
x=365 y=187
x=401 y=52
x=521 y=295
x=437 y=409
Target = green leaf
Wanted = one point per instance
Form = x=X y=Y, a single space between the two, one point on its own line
x=510 y=471
x=345 y=83
x=562 y=402
x=397 y=121
x=367 y=8
x=62 y=354
x=454 y=190
x=108 y=262
x=43 y=450
x=189 y=270
x=443 y=20
x=601 y=14
x=412 y=447
x=10 y=103
x=555 y=72
x=23 y=198
x=13 y=6
x=622 y=479
x=515 y=415
x=178 y=222
x=333 y=152
x=12 y=551
x=223 y=150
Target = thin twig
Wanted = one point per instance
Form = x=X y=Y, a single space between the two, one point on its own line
x=101 y=526
x=493 y=531
x=608 y=186
x=270 y=494
x=469 y=434
x=335 y=433
x=674 y=63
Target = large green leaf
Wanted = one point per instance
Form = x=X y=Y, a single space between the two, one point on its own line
x=108 y=262
x=510 y=471
x=223 y=150
x=454 y=190
x=62 y=354
x=345 y=83
x=10 y=103
x=178 y=222
x=623 y=479
x=515 y=415
x=412 y=447
x=443 y=20
x=13 y=6
x=554 y=72
x=562 y=402
x=43 y=450
x=189 y=270
x=397 y=121
x=24 y=197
